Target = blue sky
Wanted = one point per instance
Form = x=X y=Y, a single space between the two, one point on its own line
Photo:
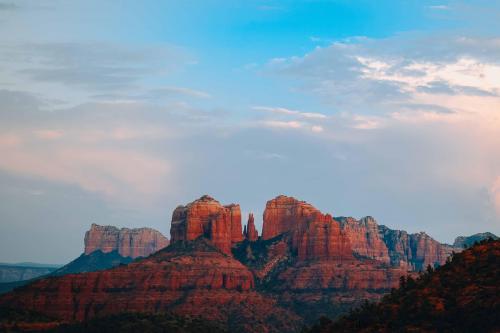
x=116 y=112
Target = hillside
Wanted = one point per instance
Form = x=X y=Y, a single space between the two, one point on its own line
x=460 y=296
x=92 y=262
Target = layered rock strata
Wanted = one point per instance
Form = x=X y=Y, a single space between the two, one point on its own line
x=128 y=242
x=207 y=217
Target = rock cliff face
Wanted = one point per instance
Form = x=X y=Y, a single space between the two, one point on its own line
x=313 y=234
x=415 y=251
x=207 y=217
x=365 y=238
x=250 y=232
x=283 y=214
x=128 y=242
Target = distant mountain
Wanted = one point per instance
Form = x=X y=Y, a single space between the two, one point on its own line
x=460 y=296
x=95 y=261
x=105 y=247
x=463 y=241
x=15 y=272
x=31 y=264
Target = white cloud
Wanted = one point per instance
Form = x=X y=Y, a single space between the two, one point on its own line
x=282 y=124
x=285 y=111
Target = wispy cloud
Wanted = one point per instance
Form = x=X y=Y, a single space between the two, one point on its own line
x=167 y=91
x=285 y=111
x=439 y=7
x=82 y=69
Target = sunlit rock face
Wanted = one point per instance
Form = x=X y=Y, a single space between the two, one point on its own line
x=128 y=242
x=208 y=218
x=250 y=232
x=314 y=235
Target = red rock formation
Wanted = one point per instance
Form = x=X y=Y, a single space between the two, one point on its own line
x=313 y=235
x=427 y=251
x=191 y=278
x=235 y=216
x=283 y=214
x=354 y=275
x=157 y=279
x=365 y=239
x=128 y=242
x=250 y=231
x=207 y=217
x=322 y=239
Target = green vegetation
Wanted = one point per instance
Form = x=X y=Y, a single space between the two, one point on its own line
x=461 y=296
x=10 y=316
x=141 y=322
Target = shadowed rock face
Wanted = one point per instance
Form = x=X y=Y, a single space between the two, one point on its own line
x=415 y=251
x=128 y=242
x=208 y=218
x=462 y=241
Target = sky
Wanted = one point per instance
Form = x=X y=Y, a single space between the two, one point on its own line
x=116 y=112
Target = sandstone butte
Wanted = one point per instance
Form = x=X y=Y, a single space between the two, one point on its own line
x=132 y=243
x=207 y=217
x=304 y=265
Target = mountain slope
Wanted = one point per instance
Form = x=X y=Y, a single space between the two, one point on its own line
x=188 y=278
x=95 y=261
x=460 y=296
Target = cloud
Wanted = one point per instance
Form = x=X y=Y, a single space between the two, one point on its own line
x=98 y=147
x=283 y=124
x=166 y=91
x=111 y=172
x=49 y=134
x=495 y=194
x=77 y=70
x=380 y=77
x=439 y=7
x=284 y=111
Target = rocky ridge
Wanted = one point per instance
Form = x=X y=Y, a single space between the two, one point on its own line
x=131 y=243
